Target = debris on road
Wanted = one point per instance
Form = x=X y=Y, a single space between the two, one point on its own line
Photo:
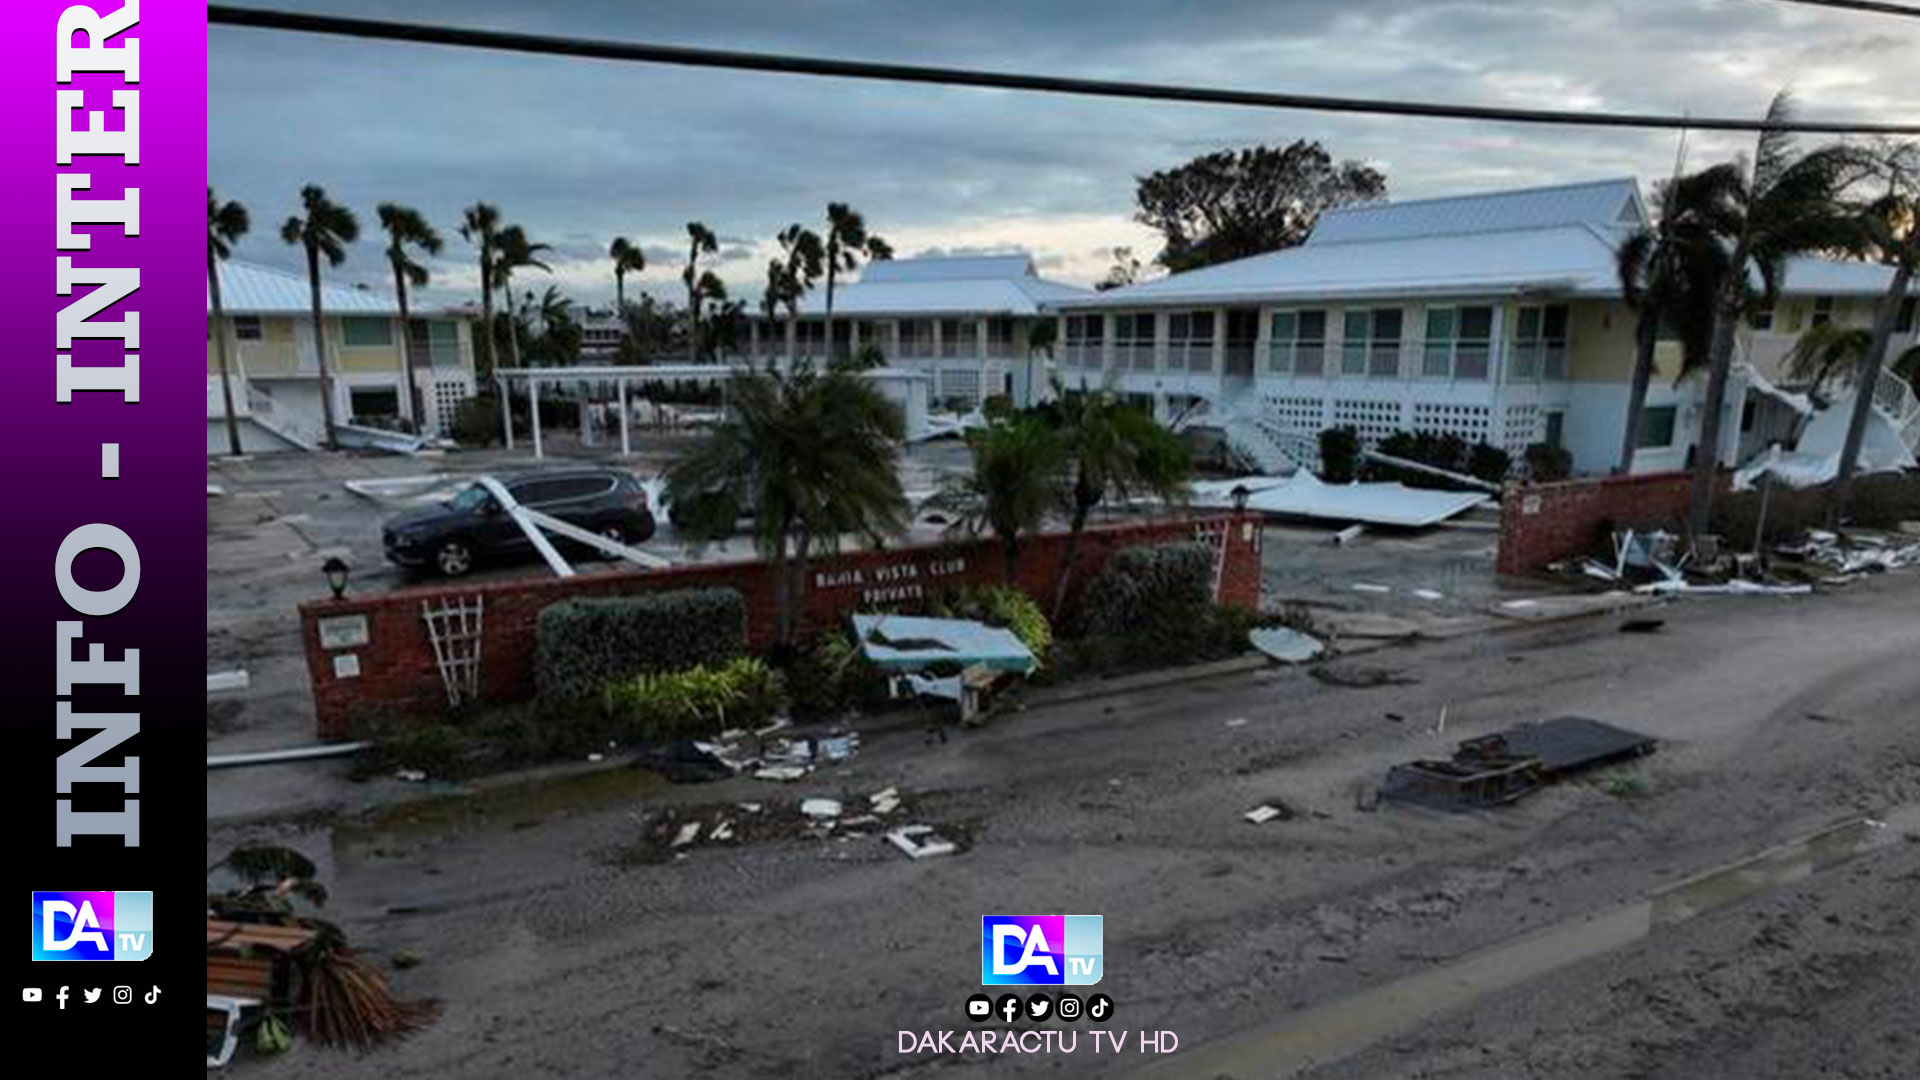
x=1269 y=811
x=1497 y=769
x=920 y=842
x=780 y=772
x=820 y=808
x=1286 y=645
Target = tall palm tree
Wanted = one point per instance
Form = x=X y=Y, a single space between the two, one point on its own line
x=1113 y=449
x=513 y=252
x=847 y=241
x=480 y=226
x=1670 y=272
x=1785 y=204
x=1019 y=474
x=700 y=241
x=226 y=223
x=802 y=260
x=326 y=230
x=406 y=228
x=1888 y=231
x=814 y=457
x=627 y=259
x=1827 y=352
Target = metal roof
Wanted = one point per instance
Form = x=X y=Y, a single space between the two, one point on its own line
x=252 y=289
x=1602 y=204
x=946 y=285
x=1560 y=240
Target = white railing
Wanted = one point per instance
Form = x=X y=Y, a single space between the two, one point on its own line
x=1896 y=398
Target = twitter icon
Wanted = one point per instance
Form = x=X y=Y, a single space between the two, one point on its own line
x=91 y=995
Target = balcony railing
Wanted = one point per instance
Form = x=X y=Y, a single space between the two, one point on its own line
x=1302 y=358
x=1194 y=356
x=1133 y=356
x=1090 y=355
x=950 y=349
x=1447 y=358
x=1539 y=359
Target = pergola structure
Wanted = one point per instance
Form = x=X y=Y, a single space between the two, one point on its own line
x=912 y=397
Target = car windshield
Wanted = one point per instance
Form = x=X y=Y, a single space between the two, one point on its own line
x=473 y=498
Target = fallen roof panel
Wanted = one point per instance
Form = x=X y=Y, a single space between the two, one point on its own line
x=913 y=642
x=1304 y=495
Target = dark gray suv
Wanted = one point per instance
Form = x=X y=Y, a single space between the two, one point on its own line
x=472 y=527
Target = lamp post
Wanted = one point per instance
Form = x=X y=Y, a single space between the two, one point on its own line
x=1240 y=494
x=336 y=570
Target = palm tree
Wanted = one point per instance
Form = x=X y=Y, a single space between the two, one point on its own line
x=1019 y=474
x=627 y=259
x=1113 y=449
x=481 y=225
x=405 y=227
x=813 y=455
x=1784 y=205
x=1889 y=231
x=1827 y=351
x=226 y=223
x=1670 y=272
x=1041 y=339
x=513 y=251
x=326 y=230
x=700 y=241
x=847 y=241
x=792 y=276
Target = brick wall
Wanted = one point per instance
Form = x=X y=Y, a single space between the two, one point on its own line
x=1545 y=523
x=380 y=660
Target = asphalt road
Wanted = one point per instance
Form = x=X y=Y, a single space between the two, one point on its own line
x=801 y=957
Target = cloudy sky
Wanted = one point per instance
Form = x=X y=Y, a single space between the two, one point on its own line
x=579 y=151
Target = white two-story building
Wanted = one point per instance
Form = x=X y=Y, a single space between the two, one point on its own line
x=963 y=321
x=1496 y=317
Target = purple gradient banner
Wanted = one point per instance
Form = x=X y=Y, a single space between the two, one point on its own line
x=59 y=459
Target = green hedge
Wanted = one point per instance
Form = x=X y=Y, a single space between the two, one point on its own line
x=583 y=646
x=1002 y=605
x=1151 y=592
x=698 y=701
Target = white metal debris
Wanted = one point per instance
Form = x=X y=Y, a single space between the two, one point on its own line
x=780 y=772
x=1263 y=813
x=820 y=808
x=687 y=834
x=1304 y=495
x=920 y=842
x=1369 y=587
x=278 y=757
x=1286 y=645
x=220 y=681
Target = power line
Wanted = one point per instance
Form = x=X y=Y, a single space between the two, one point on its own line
x=1878 y=7
x=685 y=56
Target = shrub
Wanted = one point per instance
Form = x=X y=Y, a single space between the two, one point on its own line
x=1441 y=450
x=1339 y=455
x=433 y=748
x=1545 y=464
x=1880 y=501
x=1003 y=605
x=477 y=421
x=583 y=645
x=1151 y=605
x=697 y=701
x=831 y=676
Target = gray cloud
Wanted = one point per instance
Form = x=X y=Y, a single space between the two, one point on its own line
x=581 y=151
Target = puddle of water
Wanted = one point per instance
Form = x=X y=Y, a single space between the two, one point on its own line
x=1329 y=1032
x=519 y=804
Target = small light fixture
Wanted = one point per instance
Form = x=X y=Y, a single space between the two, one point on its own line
x=336 y=570
x=1240 y=496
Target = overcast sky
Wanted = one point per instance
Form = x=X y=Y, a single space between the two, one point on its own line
x=579 y=151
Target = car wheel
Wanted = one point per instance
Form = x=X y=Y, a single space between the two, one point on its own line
x=453 y=558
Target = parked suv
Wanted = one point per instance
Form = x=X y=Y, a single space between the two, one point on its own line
x=472 y=527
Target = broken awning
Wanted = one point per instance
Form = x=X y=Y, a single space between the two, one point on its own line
x=909 y=643
x=1305 y=495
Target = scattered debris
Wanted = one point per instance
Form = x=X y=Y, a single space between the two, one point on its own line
x=1238 y=721
x=412 y=776
x=687 y=834
x=1354 y=676
x=281 y=757
x=820 y=808
x=1348 y=535
x=1370 y=587
x=221 y=681
x=1429 y=594
x=780 y=772
x=920 y=842
x=885 y=802
x=1269 y=811
x=1286 y=645
x=1496 y=769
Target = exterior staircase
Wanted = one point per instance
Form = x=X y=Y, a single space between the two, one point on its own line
x=1894 y=397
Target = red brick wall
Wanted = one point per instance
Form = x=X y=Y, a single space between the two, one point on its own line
x=1545 y=523
x=399 y=676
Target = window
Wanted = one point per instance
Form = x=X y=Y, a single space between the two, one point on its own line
x=1823 y=310
x=1298 y=344
x=1000 y=336
x=357 y=330
x=1190 y=341
x=371 y=401
x=1133 y=341
x=959 y=337
x=916 y=337
x=1371 y=344
x=247 y=328
x=1458 y=342
x=810 y=338
x=438 y=341
x=1761 y=319
x=1903 y=322
x=1086 y=335
x=1540 y=342
x=1556 y=429
x=1656 y=426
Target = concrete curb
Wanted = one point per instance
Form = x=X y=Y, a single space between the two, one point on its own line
x=915 y=718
